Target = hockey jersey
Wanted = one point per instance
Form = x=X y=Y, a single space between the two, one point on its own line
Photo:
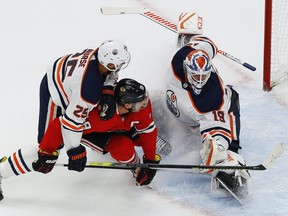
x=143 y=121
x=75 y=85
x=209 y=109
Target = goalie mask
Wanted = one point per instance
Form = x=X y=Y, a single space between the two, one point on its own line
x=113 y=55
x=129 y=91
x=197 y=68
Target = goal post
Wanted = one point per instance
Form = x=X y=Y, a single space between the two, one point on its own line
x=275 y=62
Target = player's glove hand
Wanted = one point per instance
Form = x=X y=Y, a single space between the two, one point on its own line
x=146 y=175
x=132 y=133
x=77 y=158
x=107 y=104
x=45 y=162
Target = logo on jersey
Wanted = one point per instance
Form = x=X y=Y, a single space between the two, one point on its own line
x=171 y=101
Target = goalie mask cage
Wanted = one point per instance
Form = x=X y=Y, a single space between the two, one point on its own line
x=275 y=43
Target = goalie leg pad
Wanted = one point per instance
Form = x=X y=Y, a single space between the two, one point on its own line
x=212 y=153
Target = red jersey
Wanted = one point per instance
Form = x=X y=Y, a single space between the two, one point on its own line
x=143 y=121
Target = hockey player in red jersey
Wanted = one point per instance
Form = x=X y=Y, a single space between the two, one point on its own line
x=72 y=88
x=197 y=96
x=131 y=125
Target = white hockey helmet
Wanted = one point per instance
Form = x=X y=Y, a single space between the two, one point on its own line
x=113 y=55
x=197 y=67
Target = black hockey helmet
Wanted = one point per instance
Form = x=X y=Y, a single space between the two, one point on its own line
x=129 y=91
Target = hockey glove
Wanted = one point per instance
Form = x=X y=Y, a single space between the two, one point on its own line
x=146 y=175
x=45 y=162
x=132 y=133
x=77 y=158
x=107 y=104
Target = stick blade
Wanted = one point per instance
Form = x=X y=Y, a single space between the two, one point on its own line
x=276 y=153
x=122 y=10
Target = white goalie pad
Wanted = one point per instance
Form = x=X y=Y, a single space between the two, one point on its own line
x=190 y=23
x=212 y=151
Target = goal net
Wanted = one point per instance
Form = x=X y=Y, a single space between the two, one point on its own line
x=275 y=43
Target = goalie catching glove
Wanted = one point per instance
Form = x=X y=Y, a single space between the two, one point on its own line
x=144 y=176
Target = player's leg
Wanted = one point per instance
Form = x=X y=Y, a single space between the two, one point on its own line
x=19 y=163
x=47 y=109
x=122 y=149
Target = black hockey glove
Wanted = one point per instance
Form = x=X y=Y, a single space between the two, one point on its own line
x=77 y=158
x=146 y=175
x=132 y=134
x=45 y=162
x=107 y=104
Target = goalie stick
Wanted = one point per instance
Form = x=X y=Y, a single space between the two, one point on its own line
x=163 y=22
x=276 y=153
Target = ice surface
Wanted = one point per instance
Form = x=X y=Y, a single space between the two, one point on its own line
x=33 y=33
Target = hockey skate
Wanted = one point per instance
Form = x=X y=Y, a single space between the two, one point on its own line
x=163 y=147
x=231 y=185
x=1 y=192
x=237 y=184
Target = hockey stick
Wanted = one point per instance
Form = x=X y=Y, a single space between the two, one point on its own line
x=276 y=153
x=163 y=22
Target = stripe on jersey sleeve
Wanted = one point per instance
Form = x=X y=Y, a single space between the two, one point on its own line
x=58 y=78
x=71 y=125
x=148 y=129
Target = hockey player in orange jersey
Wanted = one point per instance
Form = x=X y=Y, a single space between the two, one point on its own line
x=72 y=88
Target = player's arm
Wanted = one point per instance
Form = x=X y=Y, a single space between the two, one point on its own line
x=107 y=104
x=72 y=129
x=147 y=132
